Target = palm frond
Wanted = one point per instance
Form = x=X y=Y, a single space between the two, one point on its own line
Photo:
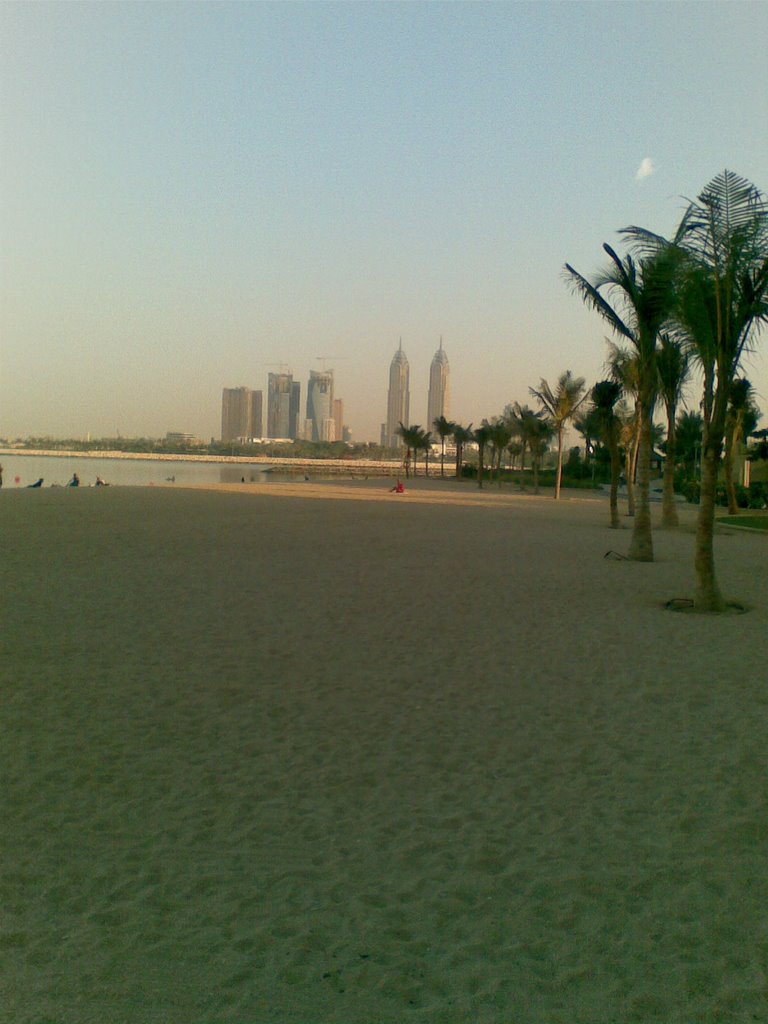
x=592 y=297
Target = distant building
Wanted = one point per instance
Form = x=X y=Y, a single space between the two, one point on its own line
x=283 y=400
x=438 y=399
x=241 y=414
x=398 y=398
x=257 y=414
x=319 y=420
x=338 y=420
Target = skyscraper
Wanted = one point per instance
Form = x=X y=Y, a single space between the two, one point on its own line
x=283 y=400
x=240 y=413
x=438 y=400
x=338 y=419
x=398 y=398
x=320 y=425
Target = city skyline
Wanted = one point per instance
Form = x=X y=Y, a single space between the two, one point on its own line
x=200 y=190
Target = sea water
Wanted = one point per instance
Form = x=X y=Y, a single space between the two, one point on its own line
x=23 y=470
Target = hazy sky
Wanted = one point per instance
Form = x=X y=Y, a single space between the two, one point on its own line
x=193 y=192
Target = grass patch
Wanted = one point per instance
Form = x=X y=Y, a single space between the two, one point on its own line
x=747 y=522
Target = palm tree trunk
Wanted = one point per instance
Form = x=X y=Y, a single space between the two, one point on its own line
x=535 y=461
x=730 y=487
x=459 y=453
x=615 y=473
x=480 y=454
x=559 y=474
x=669 y=508
x=707 y=597
x=629 y=472
x=442 y=456
x=641 y=545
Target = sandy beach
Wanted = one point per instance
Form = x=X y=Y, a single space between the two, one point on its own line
x=319 y=754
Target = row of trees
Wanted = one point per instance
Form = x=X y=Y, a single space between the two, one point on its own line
x=697 y=299
x=700 y=296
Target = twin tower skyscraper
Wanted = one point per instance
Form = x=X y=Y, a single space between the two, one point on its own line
x=399 y=396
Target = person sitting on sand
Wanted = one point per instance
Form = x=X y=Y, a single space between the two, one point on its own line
x=75 y=481
x=37 y=483
x=100 y=482
x=398 y=488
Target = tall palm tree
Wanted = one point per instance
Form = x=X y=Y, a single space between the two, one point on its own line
x=561 y=405
x=443 y=429
x=641 y=292
x=740 y=406
x=482 y=436
x=722 y=304
x=673 y=368
x=461 y=436
x=605 y=395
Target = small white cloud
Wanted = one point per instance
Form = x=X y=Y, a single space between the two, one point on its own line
x=645 y=170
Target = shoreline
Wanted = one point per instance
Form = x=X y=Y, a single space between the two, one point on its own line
x=284 y=464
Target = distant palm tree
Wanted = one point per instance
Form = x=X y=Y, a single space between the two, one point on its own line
x=623 y=368
x=689 y=431
x=515 y=450
x=605 y=395
x=643 y=293
x=425 y=444
x=741 y=409
x=461 y=437
x=500 y=436
x=539 y=431
x=673 y=369
x=482 y=435
x=411 y=439
x=561 y=405
x=443 y=429
x=587 y=423
x=518 y=417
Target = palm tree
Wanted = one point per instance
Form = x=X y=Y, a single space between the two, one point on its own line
x=689 y=431
x=722 y=304
x=587 y=423
x=673 y=368
x=518 y=417
x=643 y=292
x=443 y=429
x=623 y=367
x=741 y=415
x=561 y=405
x=500 y=436
x=411 y=439
x=539 y=432
x=425 y=444
x=482 y=436
x=605 y=395
x=461 y=436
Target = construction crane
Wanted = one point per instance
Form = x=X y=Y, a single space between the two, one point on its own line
x=283 y=367
x=328 y=359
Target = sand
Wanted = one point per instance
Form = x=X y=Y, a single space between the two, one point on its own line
x=317 y=753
